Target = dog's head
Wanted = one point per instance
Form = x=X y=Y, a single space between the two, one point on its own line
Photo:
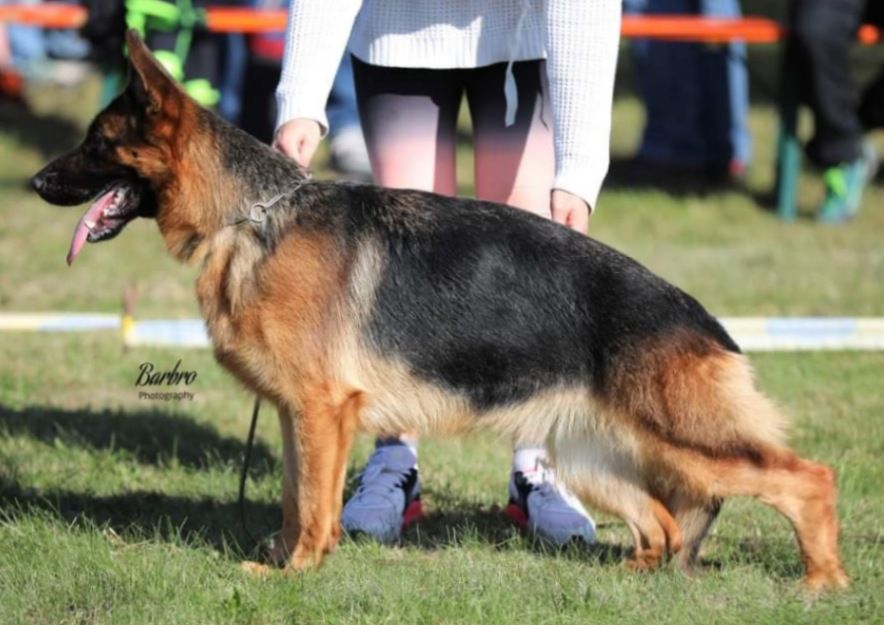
x=126 y=155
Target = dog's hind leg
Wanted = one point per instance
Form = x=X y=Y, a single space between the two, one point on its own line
x=654 y=532
x=694 y=518
x=601 y=472
x=802 y=491
x=708 y=433
x=725 y=439
x=754 y=462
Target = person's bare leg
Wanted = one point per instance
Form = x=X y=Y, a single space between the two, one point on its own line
x=515 y=165
x=409 y=119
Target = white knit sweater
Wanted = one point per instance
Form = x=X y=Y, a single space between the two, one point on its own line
x=578 y=38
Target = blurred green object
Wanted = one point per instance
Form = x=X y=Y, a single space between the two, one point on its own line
x=788 y=147
x=180 y=17
x=110 y=87
x=845 y=184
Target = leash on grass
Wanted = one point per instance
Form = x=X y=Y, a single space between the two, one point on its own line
x=247 y=458
x=257 y=215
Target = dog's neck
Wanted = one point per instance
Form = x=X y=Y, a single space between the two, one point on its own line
x=221 y=172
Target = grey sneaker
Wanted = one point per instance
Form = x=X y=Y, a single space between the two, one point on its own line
x=542 y=506
x=388 y=497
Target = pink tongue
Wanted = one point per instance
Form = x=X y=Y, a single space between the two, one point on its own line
x=82 y=231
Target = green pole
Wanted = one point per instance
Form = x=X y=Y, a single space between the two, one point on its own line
x=788 y=147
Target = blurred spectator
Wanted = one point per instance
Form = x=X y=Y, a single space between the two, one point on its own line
x=696 y=95
x=5 y=51
x=11 y=86
x=104 y=29
x=822 y=35
x=190 y=54
x=257 y=112
x=348 y=151
x=52 y=55
x=346 y=143
x=232 y=78
x=210 y=66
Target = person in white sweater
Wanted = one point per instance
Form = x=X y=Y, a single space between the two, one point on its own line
x=538 y=76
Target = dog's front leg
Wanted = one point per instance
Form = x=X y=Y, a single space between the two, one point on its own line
x=321 y=434
x=348 y=424
x=288 y=535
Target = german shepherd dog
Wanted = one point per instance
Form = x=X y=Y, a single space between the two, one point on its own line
x=352 y=306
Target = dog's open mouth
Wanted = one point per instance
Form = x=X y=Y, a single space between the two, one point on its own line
x=114 y=208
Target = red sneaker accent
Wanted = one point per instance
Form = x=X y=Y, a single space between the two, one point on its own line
x=12 y=85
x=413 y=513
x=515 y=514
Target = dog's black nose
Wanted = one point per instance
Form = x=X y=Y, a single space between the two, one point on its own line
x=38 y=181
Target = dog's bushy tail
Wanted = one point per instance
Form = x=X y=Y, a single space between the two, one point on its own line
x=693 y=393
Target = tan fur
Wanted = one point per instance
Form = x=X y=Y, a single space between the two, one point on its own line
x=802 y=491
x=307 y=329
x=275 y=328
x=694 y=517
x=192 y=188
x=677 y=426
x=690 y=391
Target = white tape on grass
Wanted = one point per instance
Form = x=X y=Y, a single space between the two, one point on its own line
x=806 y=333
x=751 y=333
x=58 y=322
x=180 y=333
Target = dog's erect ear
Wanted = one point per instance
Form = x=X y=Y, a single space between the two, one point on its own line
x=149 y=82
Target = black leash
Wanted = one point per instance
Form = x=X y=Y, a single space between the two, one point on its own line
x=257 y=216
x=250 y=443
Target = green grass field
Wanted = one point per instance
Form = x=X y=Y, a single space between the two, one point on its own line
x=119 y=510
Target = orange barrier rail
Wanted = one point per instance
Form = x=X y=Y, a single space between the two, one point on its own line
x=47 y=15
x=715 y=30
x=704 y=29
x=243 y=20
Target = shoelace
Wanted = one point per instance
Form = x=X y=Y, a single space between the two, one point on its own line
x=379 y=478
x=548 y=488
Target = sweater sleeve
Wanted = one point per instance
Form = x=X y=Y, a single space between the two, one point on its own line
x=315 y=40
x=583 y=37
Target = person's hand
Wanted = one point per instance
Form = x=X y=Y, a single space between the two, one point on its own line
x=569 y=210
x=298 y=139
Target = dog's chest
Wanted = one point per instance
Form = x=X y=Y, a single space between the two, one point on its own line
x=274 y=317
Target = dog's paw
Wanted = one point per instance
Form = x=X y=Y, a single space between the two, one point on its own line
x=644 y=562
x=303 y=559
x=255 y=569
x=280 y=552
x=821 y=582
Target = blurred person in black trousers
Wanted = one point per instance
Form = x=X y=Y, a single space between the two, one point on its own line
x=696 y=98
x=822 y=33
x=209 y=67
x=347 y=149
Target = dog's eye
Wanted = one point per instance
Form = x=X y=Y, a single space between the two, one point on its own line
x=98 y=145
